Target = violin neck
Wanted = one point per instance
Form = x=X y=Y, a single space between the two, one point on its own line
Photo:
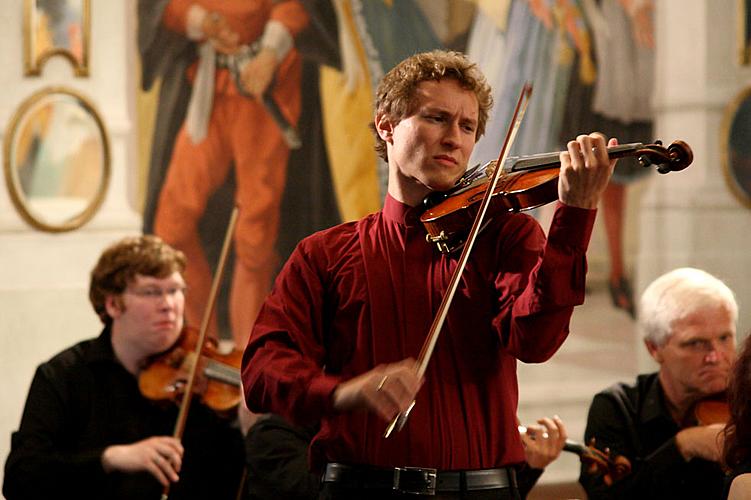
x=573 y=447
x=223 y=373
x=550 y=160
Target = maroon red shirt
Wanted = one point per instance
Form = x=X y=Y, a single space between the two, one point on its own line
x=365 y=293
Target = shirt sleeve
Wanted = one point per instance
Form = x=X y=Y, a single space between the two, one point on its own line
x=282 y=367
x=291 y=14
x=652 y=476
x=160 y=48
x=541 y=281
x=36 y=466
x=176 y=14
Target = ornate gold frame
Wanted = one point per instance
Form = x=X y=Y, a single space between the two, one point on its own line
x=11 y=177
x=744 y=32
x=33 y=63
x=727 y=123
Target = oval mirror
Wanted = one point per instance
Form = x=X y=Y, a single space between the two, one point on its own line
x=736 y=146
x=57 y=162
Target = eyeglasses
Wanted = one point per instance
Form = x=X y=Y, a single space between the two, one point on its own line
x=156 y=293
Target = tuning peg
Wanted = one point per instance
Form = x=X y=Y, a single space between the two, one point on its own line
x=644 y=161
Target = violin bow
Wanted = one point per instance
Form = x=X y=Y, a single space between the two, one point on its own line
x=435 y=329
x=182 y=416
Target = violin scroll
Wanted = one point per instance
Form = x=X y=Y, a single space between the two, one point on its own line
x=600 y=462
x=674 y=158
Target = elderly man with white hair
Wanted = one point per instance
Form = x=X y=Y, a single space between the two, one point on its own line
x=688 y=319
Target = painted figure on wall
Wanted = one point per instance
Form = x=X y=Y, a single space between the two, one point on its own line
x=620 y=104
x=373 y=37
x=241 y=61
x=354 y=45
x=529 y=41
x=590 y=61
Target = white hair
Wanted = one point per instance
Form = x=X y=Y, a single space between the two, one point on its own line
x=677 y=294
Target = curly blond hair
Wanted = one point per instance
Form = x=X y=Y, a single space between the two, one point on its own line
x=395 y=94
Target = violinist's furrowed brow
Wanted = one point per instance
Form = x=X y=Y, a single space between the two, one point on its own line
x=469 y=122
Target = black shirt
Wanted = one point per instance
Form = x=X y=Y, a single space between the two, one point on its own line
x=82 y=401
x=633 y=421
x=277 y=461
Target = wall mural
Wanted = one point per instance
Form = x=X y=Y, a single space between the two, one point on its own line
x=217 y=139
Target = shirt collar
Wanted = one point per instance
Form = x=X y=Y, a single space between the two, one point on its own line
x=401 y=213
x=101 y=349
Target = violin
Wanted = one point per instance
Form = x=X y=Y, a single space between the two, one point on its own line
x=524 y=183
x=712 y=410
x=600 y=462
x=217 y=382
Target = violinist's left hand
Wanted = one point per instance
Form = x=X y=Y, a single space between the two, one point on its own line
x=585 y=170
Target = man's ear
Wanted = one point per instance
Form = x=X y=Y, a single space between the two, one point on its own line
x=384 y=128
x=114 y=305
x=654 y=351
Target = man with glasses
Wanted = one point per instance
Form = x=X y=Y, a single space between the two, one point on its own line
x=87 y=432
x=688 y=318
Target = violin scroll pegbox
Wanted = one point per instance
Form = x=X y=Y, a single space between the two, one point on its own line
x=674 y=158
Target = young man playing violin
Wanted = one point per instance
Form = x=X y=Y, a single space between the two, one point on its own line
x=336 y=339
x=688 y=318
x=87 y=432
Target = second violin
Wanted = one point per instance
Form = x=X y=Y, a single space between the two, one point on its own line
x=217 y=383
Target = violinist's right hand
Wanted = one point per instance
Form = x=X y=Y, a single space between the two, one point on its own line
x=386 y=390
x=161 y=456
x=704 y=441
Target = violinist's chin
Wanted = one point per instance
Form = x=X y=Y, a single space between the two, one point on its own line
x=713 y=381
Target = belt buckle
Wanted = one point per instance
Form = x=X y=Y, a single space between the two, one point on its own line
x=403 y=483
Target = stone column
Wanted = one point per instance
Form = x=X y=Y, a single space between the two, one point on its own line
x=690 y=218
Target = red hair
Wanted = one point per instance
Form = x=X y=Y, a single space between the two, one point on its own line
x=737 y=448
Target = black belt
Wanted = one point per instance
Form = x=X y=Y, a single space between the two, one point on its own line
x=419 y=481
